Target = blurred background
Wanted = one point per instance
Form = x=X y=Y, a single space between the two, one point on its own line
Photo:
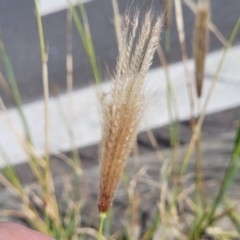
x=19 y=32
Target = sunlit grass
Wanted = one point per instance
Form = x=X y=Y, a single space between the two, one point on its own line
x=42 y=209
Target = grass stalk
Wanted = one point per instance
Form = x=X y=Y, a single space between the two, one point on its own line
x=174 y=127
x=100 y=230
x=69 y=68
x=168 y=20
x=51 y=209
x=200 y=194
x=154 y=144
x=69 y=77
x=171 y=102
x=174 y=131
x=181 y=36
x=107 y=224
x=5 y=87
x=45 y=82
x=90 y=47
x=117 y=22
x=168 y=43
x=199 y=198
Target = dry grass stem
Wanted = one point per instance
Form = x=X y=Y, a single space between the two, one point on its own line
x=123 y=107
x=77 y=169
x=69 y=77
x=167 y=13
x=181 y=36
x=69 y=68
x=155 y=145
x=200 y=42
x=117 y=21
x=4 y=85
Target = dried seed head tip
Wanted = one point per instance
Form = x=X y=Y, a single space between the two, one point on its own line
x=200 y=42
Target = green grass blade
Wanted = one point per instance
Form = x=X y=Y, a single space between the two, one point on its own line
x=14 y=87
x=40 y=33
x=152 y=229
x=230 y=175
x=85 y=36
x=90 y=47
x=233 y=215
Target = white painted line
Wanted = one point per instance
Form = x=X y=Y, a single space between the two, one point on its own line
x=85 y=118
x=50 y=6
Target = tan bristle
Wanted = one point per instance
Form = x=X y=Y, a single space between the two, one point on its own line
x=200 y=42
x=122 y=108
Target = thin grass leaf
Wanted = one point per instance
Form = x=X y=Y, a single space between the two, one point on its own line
x=90 y=47
x=182 y=41
x=14 y=88
x=45 y=80
x=69 y=77
x=85 y=36
x=154 y=226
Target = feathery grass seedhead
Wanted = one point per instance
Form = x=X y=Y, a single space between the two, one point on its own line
x=200 y=42
x=123 y=107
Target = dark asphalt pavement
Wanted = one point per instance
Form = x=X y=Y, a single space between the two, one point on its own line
x=19 y=30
